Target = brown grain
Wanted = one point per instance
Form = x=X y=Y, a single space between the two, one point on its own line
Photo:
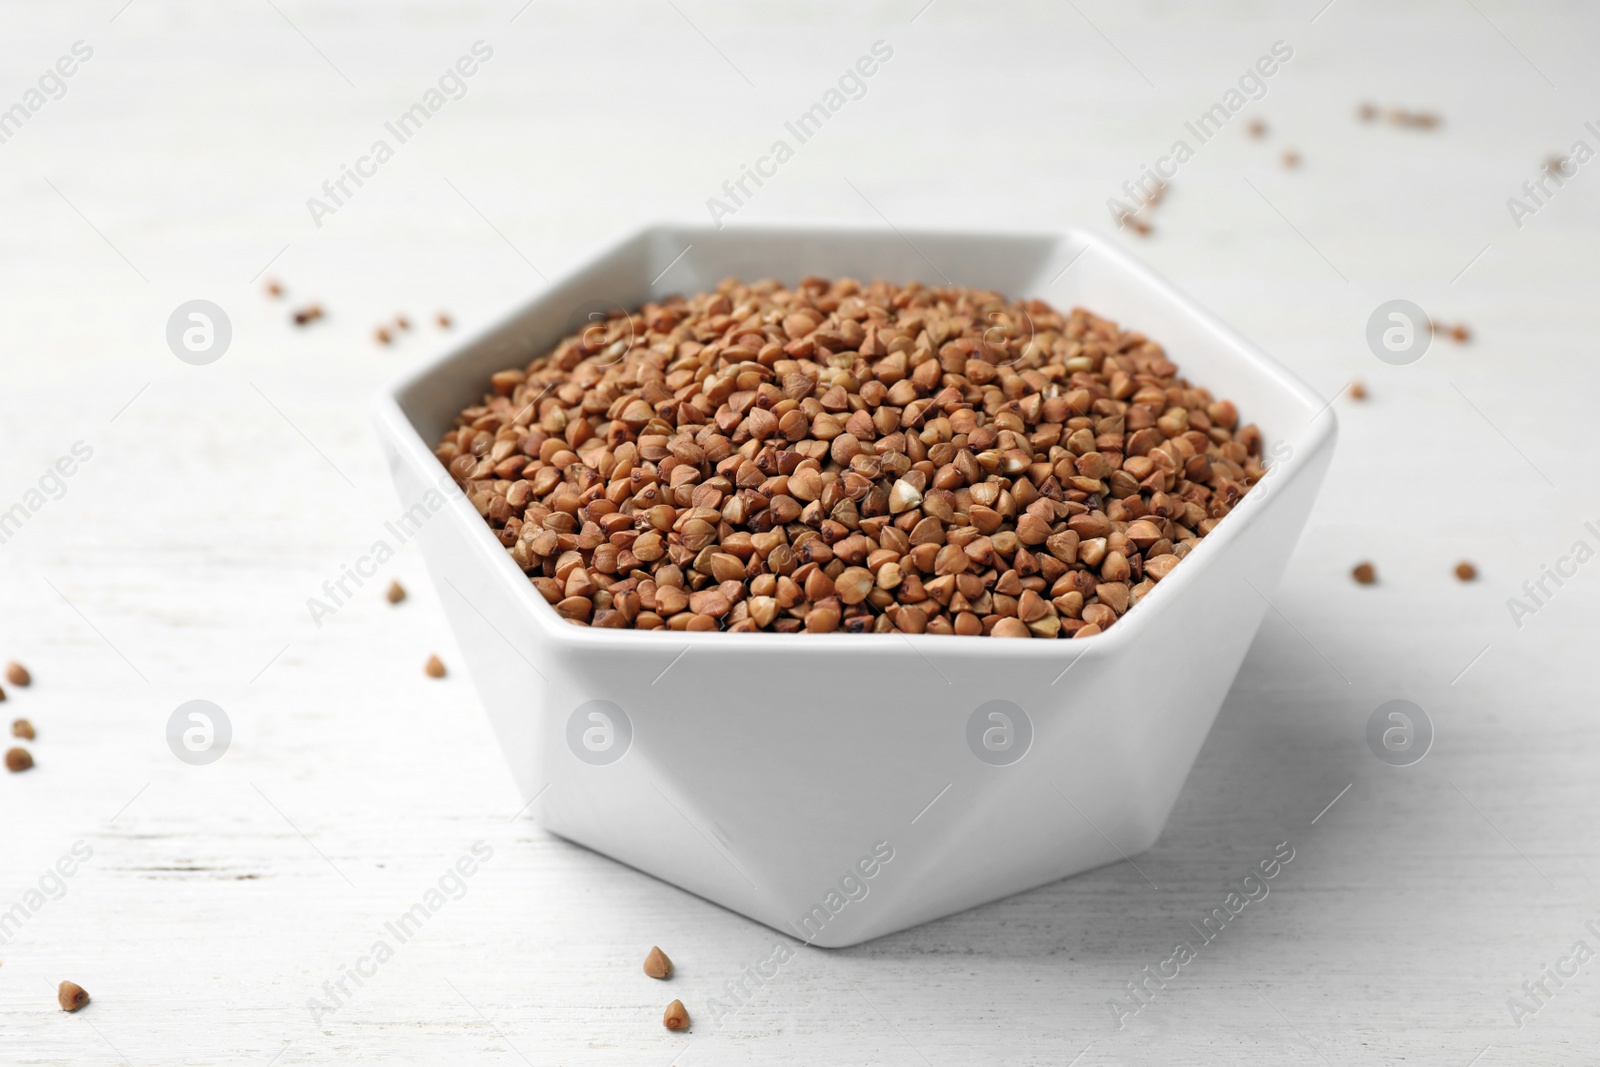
x=434 y=668
x=18 y=759
x=18 y=675
x=1364 y=573
x=657 y=965
x=396 y=592
x=676 y=1016
x=1400 y=116
x=22 y=728
x=1466 y=571
x=841 y=457
x=71 y=996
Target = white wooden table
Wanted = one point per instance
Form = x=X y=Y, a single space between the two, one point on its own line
x=177 y=561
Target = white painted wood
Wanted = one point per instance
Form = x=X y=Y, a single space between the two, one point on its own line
x=178 y=562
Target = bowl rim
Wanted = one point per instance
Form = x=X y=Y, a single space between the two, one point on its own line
x=1316 y=434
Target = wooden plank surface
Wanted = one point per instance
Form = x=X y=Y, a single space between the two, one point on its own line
x=176 y=561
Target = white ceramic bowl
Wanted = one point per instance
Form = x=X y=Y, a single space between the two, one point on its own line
x=844 y=786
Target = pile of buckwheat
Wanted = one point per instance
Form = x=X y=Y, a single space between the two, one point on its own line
x=848 y=457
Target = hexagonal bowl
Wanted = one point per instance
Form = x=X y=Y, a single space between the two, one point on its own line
x=841 y=787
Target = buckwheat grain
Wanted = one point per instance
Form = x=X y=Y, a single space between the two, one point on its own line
x=657 y=965
x=848 y=457
x=71 y=996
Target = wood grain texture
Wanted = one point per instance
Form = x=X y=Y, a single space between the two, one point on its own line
x=177 y=563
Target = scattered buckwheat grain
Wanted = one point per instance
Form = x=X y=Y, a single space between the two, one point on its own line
x=1358 y=391
x=1257 y=128
x=676 y=1016
x=841 y=457
x=22 y=728
x=17 y=674
x=434 y=667
x=1291 y=159
x=274 y=288
x=1421 y=120
x=1364 y=573
x=18 y=759
x=1138 y=219
x=1466 y=571
x=71 y=996
x=382 y=335
x=402 y=322
x=443 y=319
x=307 y=315
x=656 y=965
x=396 y=592
x=1400 y=116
